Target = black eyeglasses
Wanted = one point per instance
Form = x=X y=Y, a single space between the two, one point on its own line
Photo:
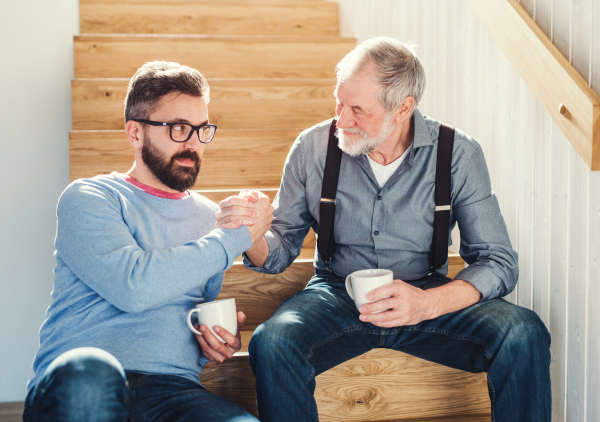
x=182 y=132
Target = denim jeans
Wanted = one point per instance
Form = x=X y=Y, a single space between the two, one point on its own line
x=319 y=328
x=89 y=384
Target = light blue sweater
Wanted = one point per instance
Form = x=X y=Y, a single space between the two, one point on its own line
x=129 y=266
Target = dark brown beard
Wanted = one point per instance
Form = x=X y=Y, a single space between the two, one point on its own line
x=169 y=172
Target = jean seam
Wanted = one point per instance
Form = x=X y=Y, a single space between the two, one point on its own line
x=322 y=342
x=455 y=336
x=492 y=397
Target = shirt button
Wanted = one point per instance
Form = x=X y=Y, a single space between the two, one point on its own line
x=375 y=232
x=380 y=197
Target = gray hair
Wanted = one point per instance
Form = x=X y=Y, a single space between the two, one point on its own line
x=156 y=79
x=397 y=69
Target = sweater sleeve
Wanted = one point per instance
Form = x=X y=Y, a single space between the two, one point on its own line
x=94 y=241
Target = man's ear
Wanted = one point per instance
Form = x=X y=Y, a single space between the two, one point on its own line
x=134 y=134
x=404 y=111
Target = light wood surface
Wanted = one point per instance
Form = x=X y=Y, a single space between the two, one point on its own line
x=381 y=384
x=235 y=159
x=258 y=295
x=119 y=56
x=208 y=17
x=548 y=74
x=97 y=104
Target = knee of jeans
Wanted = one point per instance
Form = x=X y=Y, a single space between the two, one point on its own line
x=281 y=333
x=528 y=331
x=87 y=368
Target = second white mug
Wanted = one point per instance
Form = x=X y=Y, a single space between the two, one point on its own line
x=360 y=283
x=220 y=312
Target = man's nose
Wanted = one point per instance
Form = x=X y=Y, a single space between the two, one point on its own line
x=345 y=119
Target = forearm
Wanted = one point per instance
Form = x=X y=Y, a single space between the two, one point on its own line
x=258 y=253
x=451 y=297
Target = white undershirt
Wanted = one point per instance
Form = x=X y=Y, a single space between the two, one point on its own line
x=383 y=173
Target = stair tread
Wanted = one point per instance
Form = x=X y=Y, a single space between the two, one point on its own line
x=209 y=17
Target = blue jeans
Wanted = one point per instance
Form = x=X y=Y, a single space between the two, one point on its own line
x=319 y=328
x=89 y=384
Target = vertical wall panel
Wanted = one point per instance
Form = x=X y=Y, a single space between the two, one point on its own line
x=558 y=270
x=542 y=127
x=595 y=40
x=592 y=378
x=543 y=16
x=577 y=259
x=561 y=26
x=581 y=37
x=525 y=198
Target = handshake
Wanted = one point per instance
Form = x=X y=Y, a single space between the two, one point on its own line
x=251 y=208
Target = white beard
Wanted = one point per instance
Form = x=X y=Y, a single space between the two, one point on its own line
x=366 y=145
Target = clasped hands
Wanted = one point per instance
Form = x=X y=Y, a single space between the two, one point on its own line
x=253 y=209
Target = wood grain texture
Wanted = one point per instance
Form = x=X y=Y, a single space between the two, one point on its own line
x=208 y=17
x=258 y=295
x=385 y=385
x=379 y=385
x=119 y=56
x=235 y=159
x=97 y=104
x=546 y=71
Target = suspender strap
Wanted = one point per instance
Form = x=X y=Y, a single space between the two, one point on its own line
x=331 y=174
x=438 y=254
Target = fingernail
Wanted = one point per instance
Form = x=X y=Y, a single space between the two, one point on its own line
x=256 y=213
x=362 y=310
x=217 y=330
x=362 y=317
x=370 y=297
x=202 y=328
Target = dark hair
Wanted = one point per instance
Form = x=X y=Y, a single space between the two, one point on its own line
x=156 y=79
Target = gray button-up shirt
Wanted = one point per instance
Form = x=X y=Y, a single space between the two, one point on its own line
x=392 y=226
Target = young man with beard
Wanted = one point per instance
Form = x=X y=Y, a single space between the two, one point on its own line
x=134 y=253
x=384 y=216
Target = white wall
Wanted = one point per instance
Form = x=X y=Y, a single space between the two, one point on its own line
x=36 y=68
x=549 y=198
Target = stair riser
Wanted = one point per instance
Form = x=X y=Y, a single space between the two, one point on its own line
x=208 y=17
x=235 y=104
x=214 y=57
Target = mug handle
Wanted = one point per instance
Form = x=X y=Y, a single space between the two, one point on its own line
x=189 y=321
x=349 y=287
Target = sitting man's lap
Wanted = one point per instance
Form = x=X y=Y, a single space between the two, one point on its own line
x=320 y=328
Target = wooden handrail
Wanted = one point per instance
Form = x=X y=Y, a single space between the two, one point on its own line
x=562 y=91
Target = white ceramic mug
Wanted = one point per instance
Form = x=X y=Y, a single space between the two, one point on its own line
x=220 y=312
x=360 y=283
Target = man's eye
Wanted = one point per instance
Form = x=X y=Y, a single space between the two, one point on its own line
x=178 y=127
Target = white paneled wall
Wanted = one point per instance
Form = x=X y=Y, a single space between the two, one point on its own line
x=548 y=196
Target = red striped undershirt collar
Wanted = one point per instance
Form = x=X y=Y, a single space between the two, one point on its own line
x=154 y=191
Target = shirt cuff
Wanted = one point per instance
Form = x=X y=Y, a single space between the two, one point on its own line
x=272 y=259
x=234 y=242
x=484 y=280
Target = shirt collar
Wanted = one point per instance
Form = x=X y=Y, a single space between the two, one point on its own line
x=422 y=134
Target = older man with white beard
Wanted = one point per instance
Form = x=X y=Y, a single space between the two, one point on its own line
x=384 y=218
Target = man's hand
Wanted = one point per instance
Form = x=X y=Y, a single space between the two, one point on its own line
x=252 y=208
x=214 y=349
x=409 y=305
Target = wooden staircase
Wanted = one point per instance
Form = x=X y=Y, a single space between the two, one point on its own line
x=270 y=65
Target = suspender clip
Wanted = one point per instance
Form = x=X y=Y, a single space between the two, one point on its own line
x=328 y=201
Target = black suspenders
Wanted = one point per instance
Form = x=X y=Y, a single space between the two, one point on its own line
x=438 y=254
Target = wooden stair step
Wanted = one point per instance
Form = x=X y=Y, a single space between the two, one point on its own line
x=208 y=17
x=215 y=56
x=97 y=104
x=379 y=385
x=235 y=159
